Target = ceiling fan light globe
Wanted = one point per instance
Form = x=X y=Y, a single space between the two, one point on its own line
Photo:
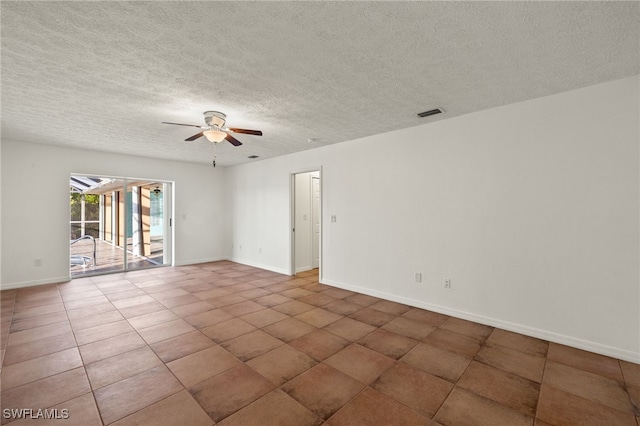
x=215 y=136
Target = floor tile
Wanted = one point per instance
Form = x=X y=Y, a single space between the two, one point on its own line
x=127 y=396
x=201 y=365
x=506 y=388
x=361 y=299
x=243 y=308
x=528 y=366
x=323 y=389
x=35 y=369
x=631 y=373
x=100 y=332
x=343 y=308
x=414 y=388
x=89 y=321
x=39 y=310
x=47 y=392
x=296 y=293
x=372 y=317
x=338 y=293
x=387 y=343
x=133 y=301
x=173 y=302
x=38 y=333
x=38 y=321
x=272 y=300
x=38 y=348
x=192 y=309
x=587 y=385
x=109 y=347
x=588 y=361
x=228 y=392
x=293 y=307
x=408 y=327
x=319 y=344
x=165 y=331
x=468 y=328
x=274 y=409
x=454 y=342
x=264 y=317
x=461 y=372
x=182 y=345
x=318 y=317
x=390 y=307
x=282 y=364
x=228 y=330
x=561 y=408
x=463 y=407
x=317 y=299
x=374 y=408
x=518 y=342
x=252 y=292
x=436 y=361
x=151 y=319
x=178 y=409
x=289 y=329
x=142 y=309
x=207 y=318
x=118 y=367
x=349 y=329
x=360 y=363
x=431 y=318
x=251 y=345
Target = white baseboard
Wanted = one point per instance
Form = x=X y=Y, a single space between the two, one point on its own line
x=304 y=268
x=550 y=336
x=11 y=286
x=258 y=265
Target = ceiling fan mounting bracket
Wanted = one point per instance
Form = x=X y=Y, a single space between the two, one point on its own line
x=215 y=118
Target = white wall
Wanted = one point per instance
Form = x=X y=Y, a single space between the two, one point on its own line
x=35 y=207
x=531 y=209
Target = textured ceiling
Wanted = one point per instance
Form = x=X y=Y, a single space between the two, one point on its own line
x=104 y=75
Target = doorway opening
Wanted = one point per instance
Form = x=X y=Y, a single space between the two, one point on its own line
x=306 y=238
x=118 y=224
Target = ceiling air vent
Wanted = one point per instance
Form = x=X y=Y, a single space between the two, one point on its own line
x=430 y=112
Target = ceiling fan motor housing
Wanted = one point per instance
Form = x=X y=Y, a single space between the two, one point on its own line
x=215 y=118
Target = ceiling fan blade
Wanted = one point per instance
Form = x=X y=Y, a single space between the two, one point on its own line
x=248 y=132
x=234 y=141
x=182 y=124
x=194 y=137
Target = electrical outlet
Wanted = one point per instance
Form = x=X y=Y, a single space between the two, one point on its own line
x=260 y=250
x=418 y=277
x=447 y=283
x=37 y=262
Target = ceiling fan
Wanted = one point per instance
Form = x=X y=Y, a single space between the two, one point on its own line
x=215 y=131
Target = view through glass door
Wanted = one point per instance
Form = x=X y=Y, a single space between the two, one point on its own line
x=118 y=224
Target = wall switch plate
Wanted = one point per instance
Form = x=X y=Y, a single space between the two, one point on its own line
x=418 y=277
x=447 y=283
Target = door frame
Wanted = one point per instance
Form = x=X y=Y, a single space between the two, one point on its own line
x=292 y=216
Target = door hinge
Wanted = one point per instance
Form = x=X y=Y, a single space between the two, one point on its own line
x=170 y=222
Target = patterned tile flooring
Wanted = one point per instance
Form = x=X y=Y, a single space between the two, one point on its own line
x=224 y=343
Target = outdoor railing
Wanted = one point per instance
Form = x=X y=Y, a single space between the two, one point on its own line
x=82 y=260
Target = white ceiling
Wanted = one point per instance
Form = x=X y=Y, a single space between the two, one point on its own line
x=104 y=75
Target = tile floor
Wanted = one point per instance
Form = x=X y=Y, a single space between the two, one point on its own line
x=224 y=343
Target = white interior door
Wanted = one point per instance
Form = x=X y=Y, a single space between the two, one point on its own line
x=315 y=220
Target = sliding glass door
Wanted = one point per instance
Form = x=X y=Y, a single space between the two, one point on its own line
x=118 y=224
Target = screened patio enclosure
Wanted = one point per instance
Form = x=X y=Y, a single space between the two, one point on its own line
x=117 y=224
